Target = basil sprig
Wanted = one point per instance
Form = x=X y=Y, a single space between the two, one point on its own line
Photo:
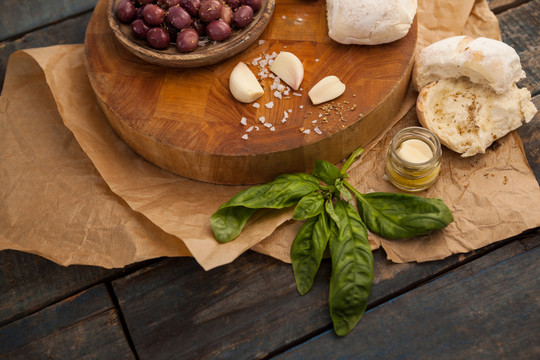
x=323 y=200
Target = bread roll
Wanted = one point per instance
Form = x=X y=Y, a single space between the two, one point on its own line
x=468 y=117
x=369 y=22
x=482 y=60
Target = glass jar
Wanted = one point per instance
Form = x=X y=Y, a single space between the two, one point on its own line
x=414 y=173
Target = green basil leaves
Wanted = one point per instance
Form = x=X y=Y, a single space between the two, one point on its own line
x=323 y=200
x=283 y=192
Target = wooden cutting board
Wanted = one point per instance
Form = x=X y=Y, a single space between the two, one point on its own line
x=186 y=121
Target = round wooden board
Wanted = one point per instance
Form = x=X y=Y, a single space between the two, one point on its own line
x=186 y=121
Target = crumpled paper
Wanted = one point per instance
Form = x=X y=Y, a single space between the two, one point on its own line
x=73 y=192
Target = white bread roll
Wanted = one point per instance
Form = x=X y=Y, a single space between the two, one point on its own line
x=369 y=22
x=467 y=117
x=482 y=60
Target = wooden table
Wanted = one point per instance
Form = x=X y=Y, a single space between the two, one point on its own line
x=483 y=304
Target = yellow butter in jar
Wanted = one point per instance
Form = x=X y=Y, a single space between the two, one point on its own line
x=414 y=159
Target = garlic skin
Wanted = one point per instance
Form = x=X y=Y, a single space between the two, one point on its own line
x=288 y=68
x=244 y=85
x=326 y=89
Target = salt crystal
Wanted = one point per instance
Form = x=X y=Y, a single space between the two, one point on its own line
x=283 y=17
x=272 y=129
x=262 y=119
x=314 y=122
x=249 y=129
x=245 y=136
x=306 y=131
x=256 y=105
x=317 y=130
x=299 y=19
x=283 y=120
x=289 y=110
x=269 y=105
x=261 y=42
x=277 y=94
x=296 y=94
x=243 y=121
x=301 y=106
x=316 y=60
x=286 y=114
x=320 y=115
x=268 y=125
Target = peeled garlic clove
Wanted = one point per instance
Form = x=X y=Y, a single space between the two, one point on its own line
x=288 y=68
x=327 y=89
x=244 y=85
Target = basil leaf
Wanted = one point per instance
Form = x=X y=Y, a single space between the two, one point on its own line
x=398 y=216
x=227 y=223
x=284 y=191
x=326 y=171
x=352 y=270
x=309 y=206
x=307 y=251
x=344 y=193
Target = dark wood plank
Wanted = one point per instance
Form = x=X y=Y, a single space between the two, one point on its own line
x=82 y=326
x=246 y=309
x=530 y=136
x=18 y=17
x=520 y=29
x=29 y=282
x=70 y=31
x=487 y=309
x=498 y=6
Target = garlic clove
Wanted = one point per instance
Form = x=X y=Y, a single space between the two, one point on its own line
x=244 y=85
x=326 y=89
x=288 y=68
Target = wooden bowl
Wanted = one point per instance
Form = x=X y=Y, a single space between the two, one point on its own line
x=209 y=54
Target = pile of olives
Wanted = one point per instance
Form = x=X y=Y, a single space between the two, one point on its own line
x=162 y=22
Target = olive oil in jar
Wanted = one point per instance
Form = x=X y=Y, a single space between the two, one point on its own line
x=414 y=159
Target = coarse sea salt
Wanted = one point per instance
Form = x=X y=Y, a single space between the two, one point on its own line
x=245 y=136
x=261 y=42
x=256 y=105
x=268 y=125
x=262 y=119
x=249 y=129
x=269 y=105
x=243 y=121
x=317 y=130
x=306 y=131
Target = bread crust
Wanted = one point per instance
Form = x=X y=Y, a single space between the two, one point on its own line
x=482 y=60
x=468 y=117
x=369 y=22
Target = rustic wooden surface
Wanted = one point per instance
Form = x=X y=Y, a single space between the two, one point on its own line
x=187 y=122
x=481 y=305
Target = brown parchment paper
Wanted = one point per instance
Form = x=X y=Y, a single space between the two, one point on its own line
x=73 y=192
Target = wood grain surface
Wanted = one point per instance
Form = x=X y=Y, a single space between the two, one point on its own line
x=50 y=311
x=186 y=121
